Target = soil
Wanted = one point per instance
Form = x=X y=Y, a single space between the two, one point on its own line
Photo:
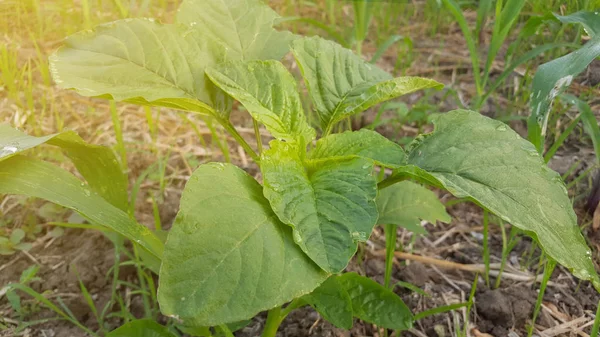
x=77 y=255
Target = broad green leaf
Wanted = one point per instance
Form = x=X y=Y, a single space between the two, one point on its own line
x=227 y=256
x=138 y=60
x=269 y=93
x=554 y=77
x=97 y=164
x=149 y=63
x=475 y=157
x=406 y=203
x=364 y=143
x=330 y=204
x=376 y=304
x=243 y=27
x=332 y=301
x=35 y=178
x=141 y=328
x=342 y=84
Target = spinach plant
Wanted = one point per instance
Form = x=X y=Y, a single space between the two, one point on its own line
x=239 y=247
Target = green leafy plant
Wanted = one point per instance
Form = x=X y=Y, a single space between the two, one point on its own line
x=8 y=245
x=239 y=247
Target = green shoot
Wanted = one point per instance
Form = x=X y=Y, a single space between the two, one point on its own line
x=549 y=268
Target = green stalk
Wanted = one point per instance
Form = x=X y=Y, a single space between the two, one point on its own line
x=257 y=135
x=233 y=132
x=276 y=315
x=226 y=331
x=538 y=304
x=215 y=139
x=273 y=321
x=596 y=326
x=470 y=303
x=145 y=299
x=486 y=248
x=561 y=139
x=391 y=234
x=507 y=247
x=439 y=310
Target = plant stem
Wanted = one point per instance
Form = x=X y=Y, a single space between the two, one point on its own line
x=295 y=304
x=486 y=249
x=231 y=129
x=538 y=304
x=273 y=321
x=226 y=330
x=391 y=235
x=596 y=326
x=391 y=180
x=276 y=315
x=257 y=135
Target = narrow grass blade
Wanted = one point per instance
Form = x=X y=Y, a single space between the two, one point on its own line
x=455 y=10
x=40 y=298
x=440 y=310
x=486 y=248
x=590 y=124
x=482 y=11
x=538 y=303
x=561 y=139
x=521 y=60
x=386 y=45
x=412 y=287
x=596 y=326
x=390 y=247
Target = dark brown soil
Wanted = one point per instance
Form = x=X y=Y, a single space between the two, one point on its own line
x=77 y=255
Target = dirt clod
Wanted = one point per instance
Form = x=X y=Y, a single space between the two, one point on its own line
x=504 y=308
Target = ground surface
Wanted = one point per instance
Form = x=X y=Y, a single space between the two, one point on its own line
x=88 y=256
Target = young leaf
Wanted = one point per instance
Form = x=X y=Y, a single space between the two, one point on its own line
x=330 y=204
x=97 y=164
x=552 y=78
x=332 y=301
x=227 y=256
x=269 y=93
x=149 y=63
x=141 y=328
x=244 y=27
x=35 y=178
x=364 y=143
x=406 y=203
x=342 y=84
x=376 y=304
x=476 y=157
